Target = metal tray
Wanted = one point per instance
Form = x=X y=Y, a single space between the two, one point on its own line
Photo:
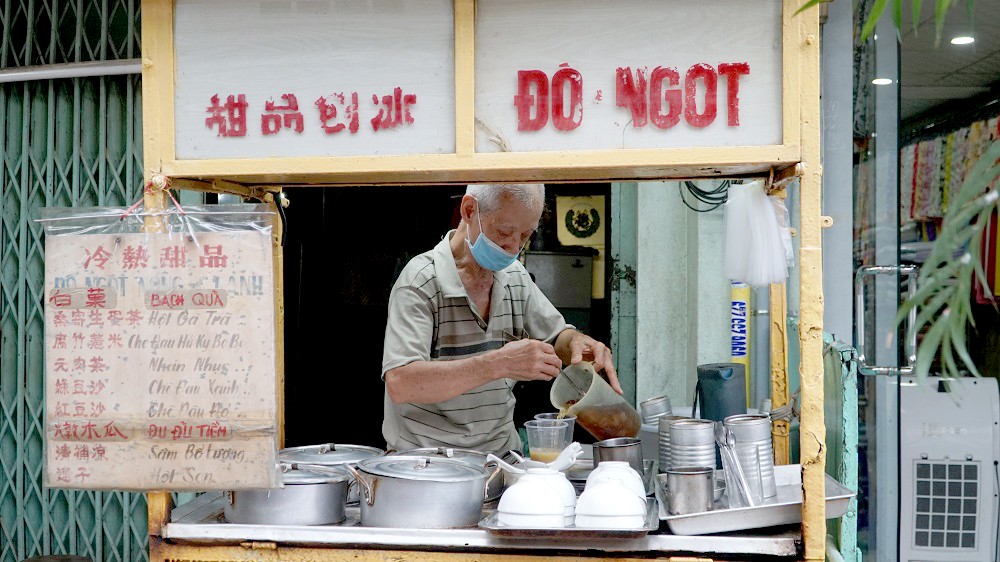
x=783 y=509
x=493 y=526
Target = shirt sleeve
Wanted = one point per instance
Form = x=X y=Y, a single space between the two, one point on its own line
x=408 y=329
x=542 y=320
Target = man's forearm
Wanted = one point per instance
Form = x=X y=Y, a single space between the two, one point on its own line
x=429 y=382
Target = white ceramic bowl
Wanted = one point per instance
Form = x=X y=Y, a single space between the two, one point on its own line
x=609 y=504
x=557 y=481
x=531 y=503
x=525 y=521
x=619 y=471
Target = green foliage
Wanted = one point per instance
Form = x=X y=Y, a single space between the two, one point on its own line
x=879 y=7
x=944 y=287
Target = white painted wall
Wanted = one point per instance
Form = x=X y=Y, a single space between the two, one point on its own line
x=683 y=299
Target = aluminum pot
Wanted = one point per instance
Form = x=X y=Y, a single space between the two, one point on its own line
x=421 y=492
x=309 y=497
x=331 y=455
x=495 y=487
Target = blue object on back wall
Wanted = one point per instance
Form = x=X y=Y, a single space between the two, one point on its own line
x=721 y=390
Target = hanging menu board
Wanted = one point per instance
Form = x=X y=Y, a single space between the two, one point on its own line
x=160 y=361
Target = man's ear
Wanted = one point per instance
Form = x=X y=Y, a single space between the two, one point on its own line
x=468 y=207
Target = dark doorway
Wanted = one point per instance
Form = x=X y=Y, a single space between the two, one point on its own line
x=344 y=249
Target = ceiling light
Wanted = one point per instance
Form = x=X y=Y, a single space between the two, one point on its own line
x=882 y=81
x=962 y=40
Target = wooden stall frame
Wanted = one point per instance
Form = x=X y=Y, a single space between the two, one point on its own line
x=465 y=165
x=798 y=154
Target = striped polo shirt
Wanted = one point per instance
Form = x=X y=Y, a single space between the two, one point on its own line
x=431 y=318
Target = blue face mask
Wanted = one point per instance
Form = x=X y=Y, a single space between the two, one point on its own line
x=488 y=254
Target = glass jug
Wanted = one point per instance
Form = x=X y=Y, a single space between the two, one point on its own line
x=580 y=391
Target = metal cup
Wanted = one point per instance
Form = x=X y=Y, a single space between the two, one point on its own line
x=663 y=441
x=655 y=408
x=692 y=442
x=754 y=451
x=690 y=489
x=628 y=449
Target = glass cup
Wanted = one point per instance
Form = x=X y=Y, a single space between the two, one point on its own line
x=570 y=418
x=546 y=439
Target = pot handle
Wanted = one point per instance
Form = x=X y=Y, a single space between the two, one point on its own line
x=365 y=486
x=486 y=488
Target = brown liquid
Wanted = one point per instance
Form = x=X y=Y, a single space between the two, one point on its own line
x=608 y=422
x=545 y=455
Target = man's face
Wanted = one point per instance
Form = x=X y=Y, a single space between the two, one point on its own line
x=510 y=226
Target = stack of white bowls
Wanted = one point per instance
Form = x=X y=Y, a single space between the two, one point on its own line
x=613 y=498
x=542 y=498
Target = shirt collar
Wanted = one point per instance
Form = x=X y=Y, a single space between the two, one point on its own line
x=447 y=271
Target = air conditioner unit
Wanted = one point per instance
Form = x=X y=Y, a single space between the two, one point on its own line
x=949 y=479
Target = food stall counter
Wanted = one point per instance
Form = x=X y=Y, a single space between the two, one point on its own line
x=200 y=522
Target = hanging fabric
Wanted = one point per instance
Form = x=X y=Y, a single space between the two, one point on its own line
x=907 y=171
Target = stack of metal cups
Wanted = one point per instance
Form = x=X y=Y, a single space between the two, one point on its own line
x=752 y=433
x=663 y=442
x=692 y=443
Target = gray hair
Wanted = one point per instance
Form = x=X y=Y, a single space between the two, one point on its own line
x=490 y=195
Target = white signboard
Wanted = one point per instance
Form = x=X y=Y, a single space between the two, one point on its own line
x=593 y=74
x=160 y=365
x=280 y=78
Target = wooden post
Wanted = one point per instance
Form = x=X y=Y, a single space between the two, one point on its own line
x=278 y=257
x=157 y=37
x=779 y=370
x=812 y=430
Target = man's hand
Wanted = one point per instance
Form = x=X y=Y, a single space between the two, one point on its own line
x=585 y=348
x=526 y=360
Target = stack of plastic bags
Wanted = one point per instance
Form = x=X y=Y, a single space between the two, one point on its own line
x=758 y=245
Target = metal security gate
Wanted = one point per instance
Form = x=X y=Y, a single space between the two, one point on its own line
x=64 y=142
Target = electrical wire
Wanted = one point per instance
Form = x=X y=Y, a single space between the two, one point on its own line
x=714 y=198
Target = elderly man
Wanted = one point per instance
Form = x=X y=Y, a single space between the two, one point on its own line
x=466 y=322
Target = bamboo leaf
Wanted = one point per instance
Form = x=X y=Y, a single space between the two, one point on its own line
x=878 y=8
x=808 y=5
x=931 y=283
x=917 y=7
x=897 y=14
x=958 y=338
x=929 y=349
x=981 y=274
x=940 y=12
x=931 y=310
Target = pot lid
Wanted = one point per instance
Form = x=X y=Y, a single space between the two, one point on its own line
x=292 y=476
x=445 y=452
x=329 y=454
x=431 y=468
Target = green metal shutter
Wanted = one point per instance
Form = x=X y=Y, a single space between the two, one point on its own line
x=67 y=142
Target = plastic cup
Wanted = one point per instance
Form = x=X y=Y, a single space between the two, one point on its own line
x=571 y=419
x=580 y=391
x=546 y=439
